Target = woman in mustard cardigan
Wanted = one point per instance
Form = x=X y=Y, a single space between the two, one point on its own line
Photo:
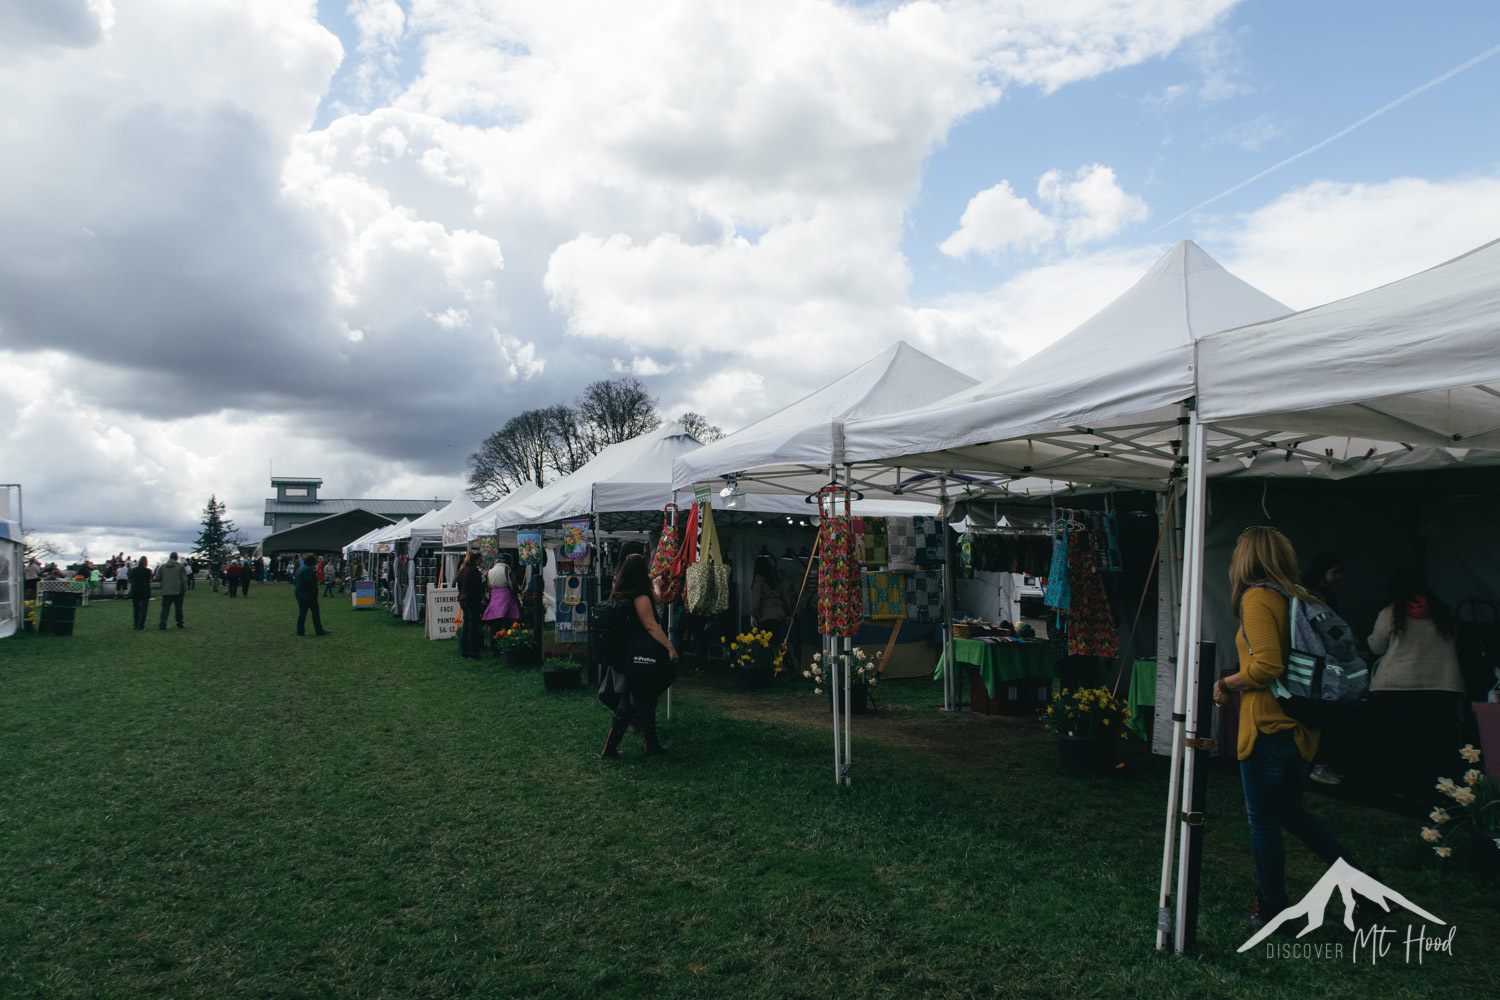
x=1274 y=749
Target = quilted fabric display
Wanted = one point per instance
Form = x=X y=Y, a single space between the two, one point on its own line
x=927 y=537
x=901 y=539
x=924 y=596
x=840 y=587
x=708 y=578
x=874 y=549
x=667 y=581
x=885 y=594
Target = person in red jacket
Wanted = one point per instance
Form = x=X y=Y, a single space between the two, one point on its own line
x=232 y=572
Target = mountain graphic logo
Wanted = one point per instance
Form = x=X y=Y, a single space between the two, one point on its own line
x=1348 y=882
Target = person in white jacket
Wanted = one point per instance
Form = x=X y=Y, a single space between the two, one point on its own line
x=1417 y=685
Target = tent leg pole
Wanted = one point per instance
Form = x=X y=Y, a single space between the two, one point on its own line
x=1192 y=597
x=1184 y=680
x=949 y=667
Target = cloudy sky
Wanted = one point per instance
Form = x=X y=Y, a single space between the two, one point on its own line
x=349 y=238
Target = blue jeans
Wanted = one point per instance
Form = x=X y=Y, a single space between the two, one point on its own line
x=1274 y=775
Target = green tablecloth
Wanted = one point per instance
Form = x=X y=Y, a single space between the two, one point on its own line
x=1002 y=661
x=1142 y=695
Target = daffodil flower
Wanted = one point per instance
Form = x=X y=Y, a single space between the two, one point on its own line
x=1431 y=835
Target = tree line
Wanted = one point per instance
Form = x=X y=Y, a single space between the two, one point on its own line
x=537 y=446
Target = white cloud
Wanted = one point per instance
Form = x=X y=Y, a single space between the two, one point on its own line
x=1091 y=203
x=1327 y=240
x=1087 y=207
x=714 y=190
x=998 y=219
x=1249 y=135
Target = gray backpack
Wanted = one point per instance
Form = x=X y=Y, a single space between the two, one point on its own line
x=1324 y=675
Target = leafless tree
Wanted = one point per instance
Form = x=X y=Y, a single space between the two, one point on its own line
x=570 y=445
x=698 y=426
x=615 y=410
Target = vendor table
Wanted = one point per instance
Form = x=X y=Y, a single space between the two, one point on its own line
x=1002 y=661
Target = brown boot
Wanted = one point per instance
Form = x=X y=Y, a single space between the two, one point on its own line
x=612 y=744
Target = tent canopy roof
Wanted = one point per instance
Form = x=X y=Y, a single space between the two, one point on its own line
x=792 y=449
x=630 y=475
x=430 y=525
x=1050 y=416
x=1416 y=361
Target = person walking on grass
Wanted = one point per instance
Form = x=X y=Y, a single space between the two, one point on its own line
x=306 y=580
x=232 y=577
x=1274 y=750
x=640 y=676
x=173 y=586
x=140 y=593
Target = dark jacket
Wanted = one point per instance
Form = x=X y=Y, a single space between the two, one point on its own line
x=306 y=582
x=140 y=584
x=470 y=585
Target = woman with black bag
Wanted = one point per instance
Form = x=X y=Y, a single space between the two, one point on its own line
x=639 y=675
x=1275 y=751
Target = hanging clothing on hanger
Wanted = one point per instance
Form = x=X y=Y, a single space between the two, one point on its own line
x=1091 y=623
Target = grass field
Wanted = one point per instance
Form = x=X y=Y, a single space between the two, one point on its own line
x=232 y=811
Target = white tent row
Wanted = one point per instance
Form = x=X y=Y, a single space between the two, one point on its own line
x=636 y=476
x=380 y=536
x=1347 y=388
x=428 y=529
x=482 y=522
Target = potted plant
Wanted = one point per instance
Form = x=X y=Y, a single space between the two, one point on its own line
x=515 y=644
x=863 y=677
x=560 y=674
x=1473 y=805
x=754 y=660
x=1088 y=722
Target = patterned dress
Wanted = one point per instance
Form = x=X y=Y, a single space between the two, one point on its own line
x=840 y=582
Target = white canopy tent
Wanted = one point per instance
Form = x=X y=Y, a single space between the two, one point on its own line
x=1402 y=377
x=793 y=449
x=482 y=521
x=428 y=529
x=362 y=543
x=632 y=475
x=1100 y=406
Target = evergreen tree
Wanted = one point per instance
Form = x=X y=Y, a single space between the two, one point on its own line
x=213 y=540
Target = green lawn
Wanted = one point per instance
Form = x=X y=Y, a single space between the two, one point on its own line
x=232 y=811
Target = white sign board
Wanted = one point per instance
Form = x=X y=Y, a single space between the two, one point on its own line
x=442 y=612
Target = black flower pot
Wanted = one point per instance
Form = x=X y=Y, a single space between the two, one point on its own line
x=559 y=679
x=520 y=658
x=859 y=699
x=1086 y=755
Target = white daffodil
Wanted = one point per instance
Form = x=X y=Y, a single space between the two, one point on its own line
x=1472 y=776
x=1431 y=835
x=1439 y=815
x=1463 y=796
x=1443 y=852
x=1470 y=753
